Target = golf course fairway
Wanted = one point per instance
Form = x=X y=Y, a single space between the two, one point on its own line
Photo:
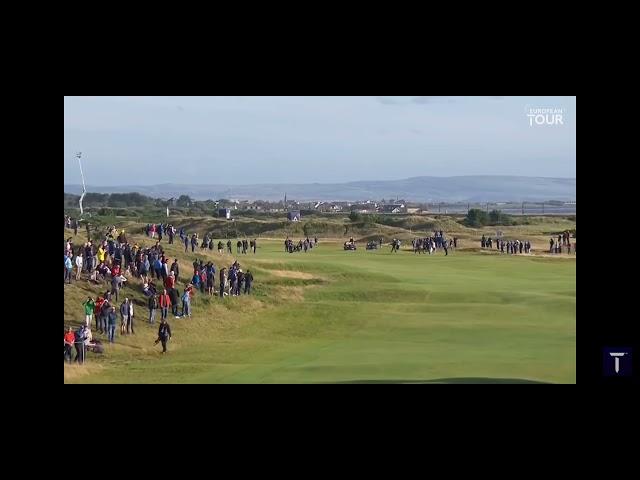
x=331 y=316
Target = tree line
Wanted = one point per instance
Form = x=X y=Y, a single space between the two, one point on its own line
x=115 y=200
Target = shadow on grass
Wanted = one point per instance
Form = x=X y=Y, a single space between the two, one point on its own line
x=469 y=381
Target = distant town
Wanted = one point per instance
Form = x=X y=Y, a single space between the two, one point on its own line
x=296 y=209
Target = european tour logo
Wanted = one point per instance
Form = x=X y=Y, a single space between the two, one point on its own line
x=538 y=117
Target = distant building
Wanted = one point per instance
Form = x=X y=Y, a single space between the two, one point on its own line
x=294 y=216
x=328 y=207
x=363 y=208
x=394 y=208
x=225 y=213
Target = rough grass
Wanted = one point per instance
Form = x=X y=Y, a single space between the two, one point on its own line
x=335 y=316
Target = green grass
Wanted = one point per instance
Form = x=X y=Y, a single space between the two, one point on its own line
x=359 y=317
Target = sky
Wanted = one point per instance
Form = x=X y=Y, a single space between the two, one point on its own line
x=312 y=139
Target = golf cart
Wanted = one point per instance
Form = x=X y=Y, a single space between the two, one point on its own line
x=372 y=246
x=350 y=246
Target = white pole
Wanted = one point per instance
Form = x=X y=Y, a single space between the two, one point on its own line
x=84 y=188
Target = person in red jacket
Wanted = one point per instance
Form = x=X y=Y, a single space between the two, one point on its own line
x=203 y=280
x=170 y=281
x=69 y=339
x=97 y=313
x=165 y=302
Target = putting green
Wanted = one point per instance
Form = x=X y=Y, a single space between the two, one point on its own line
x=349 y=317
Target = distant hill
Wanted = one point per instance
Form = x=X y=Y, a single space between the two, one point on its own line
x=418 y=189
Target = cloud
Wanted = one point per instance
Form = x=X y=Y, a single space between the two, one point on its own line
x=422 y=100
x=433 y=99
x=388 y=100
x=417 y=100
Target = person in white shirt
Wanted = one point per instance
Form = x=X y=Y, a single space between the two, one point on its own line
x=130 y=325
x=78 y=265
x=88 y=336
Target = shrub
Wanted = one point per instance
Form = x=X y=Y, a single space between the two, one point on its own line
x=480 y=218
x=496 y=217
x=476 y=218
